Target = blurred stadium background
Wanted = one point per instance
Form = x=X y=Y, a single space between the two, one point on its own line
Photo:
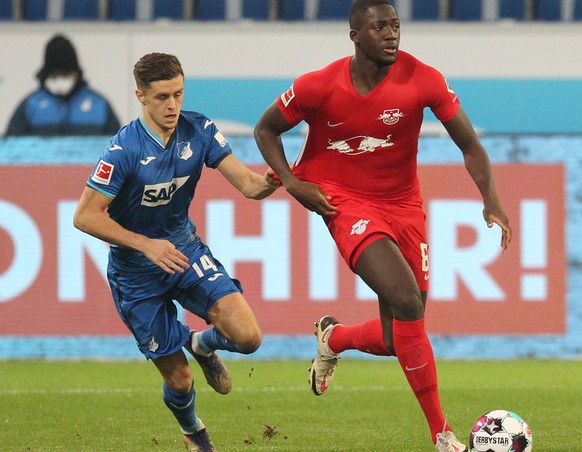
x=515 y=67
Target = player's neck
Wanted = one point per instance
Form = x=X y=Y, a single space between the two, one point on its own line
x=366 y=75
x=164 y=135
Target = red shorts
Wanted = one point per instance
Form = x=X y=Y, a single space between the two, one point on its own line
x=359 y=223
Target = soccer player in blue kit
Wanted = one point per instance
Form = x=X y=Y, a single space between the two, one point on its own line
x=137 y=199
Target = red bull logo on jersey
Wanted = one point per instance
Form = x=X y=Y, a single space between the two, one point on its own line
x=359 y=144
x=391 y=117
x=161 y=194
x=359 y=227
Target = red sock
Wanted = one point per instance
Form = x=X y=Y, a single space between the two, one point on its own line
x=417 y=361
x=366 y=337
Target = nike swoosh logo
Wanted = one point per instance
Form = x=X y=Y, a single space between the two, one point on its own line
x=147 y=160
x=410 y=369
x=215 y=276
x=426 y=277
x=329 y=124
x=115 y=147
x=207 y=123
x=325 y=336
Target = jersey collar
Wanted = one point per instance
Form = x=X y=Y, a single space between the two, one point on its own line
x=154 y=137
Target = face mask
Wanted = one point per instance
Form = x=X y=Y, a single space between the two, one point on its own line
x=61 y=85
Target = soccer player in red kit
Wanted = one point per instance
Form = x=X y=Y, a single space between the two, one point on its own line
x=358 y=170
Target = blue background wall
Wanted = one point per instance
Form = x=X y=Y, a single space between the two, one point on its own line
x=494 y=105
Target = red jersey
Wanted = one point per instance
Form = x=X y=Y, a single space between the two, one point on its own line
x=366 y=145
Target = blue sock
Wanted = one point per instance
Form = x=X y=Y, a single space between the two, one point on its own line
x=182 y=406
x=211 y=340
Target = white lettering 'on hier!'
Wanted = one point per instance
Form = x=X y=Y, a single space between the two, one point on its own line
x=452 y=266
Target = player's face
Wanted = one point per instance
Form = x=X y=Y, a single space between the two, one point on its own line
x=162 y=102
x=378 y=35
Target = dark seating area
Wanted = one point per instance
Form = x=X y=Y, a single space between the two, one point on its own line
x=283 y=10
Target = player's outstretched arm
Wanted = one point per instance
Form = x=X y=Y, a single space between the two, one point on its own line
x=479 y=168
x=249 y=183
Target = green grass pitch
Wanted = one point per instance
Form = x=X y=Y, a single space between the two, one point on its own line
x=117 y=406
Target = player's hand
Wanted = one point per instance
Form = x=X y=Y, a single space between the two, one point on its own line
x=165 y=255
x=498 y=216
x=312 y=197
x=272 y=179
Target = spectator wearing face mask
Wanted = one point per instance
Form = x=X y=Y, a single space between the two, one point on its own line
x=64 y=104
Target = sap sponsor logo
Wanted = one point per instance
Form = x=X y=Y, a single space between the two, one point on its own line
x=160 y=194
x=103 y=173
x=288 y=96
x=220 y=138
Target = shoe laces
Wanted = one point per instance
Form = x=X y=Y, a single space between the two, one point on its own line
x=213 y=363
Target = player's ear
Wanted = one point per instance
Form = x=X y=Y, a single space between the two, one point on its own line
x=354 y=36
x=140 y=96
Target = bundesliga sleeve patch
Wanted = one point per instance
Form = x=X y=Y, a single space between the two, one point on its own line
x=220 y=138
x=103 y=173
x=288 y=96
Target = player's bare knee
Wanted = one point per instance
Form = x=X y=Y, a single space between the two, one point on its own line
x=250 y=343
x=180 y=382
x=405 y=306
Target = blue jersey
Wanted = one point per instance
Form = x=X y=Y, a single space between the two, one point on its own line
x=152 y=185
x=84 y=112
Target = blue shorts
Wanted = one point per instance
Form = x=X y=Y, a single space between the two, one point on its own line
x=145 y=300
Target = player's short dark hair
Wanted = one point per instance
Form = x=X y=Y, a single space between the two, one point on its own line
x=360 y=7
x=154 y=67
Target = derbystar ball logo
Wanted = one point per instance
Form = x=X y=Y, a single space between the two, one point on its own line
x=491 y=440
x=160 y=194
x=103 y=173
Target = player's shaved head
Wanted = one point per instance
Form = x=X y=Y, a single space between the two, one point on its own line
x=154 y=67
x=360 y=7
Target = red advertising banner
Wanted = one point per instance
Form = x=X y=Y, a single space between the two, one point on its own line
x=52 y=277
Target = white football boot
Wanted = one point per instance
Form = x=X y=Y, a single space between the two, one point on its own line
x=448 y=442
x=324 y=364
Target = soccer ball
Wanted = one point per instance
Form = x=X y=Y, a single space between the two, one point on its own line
x=500 y=431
